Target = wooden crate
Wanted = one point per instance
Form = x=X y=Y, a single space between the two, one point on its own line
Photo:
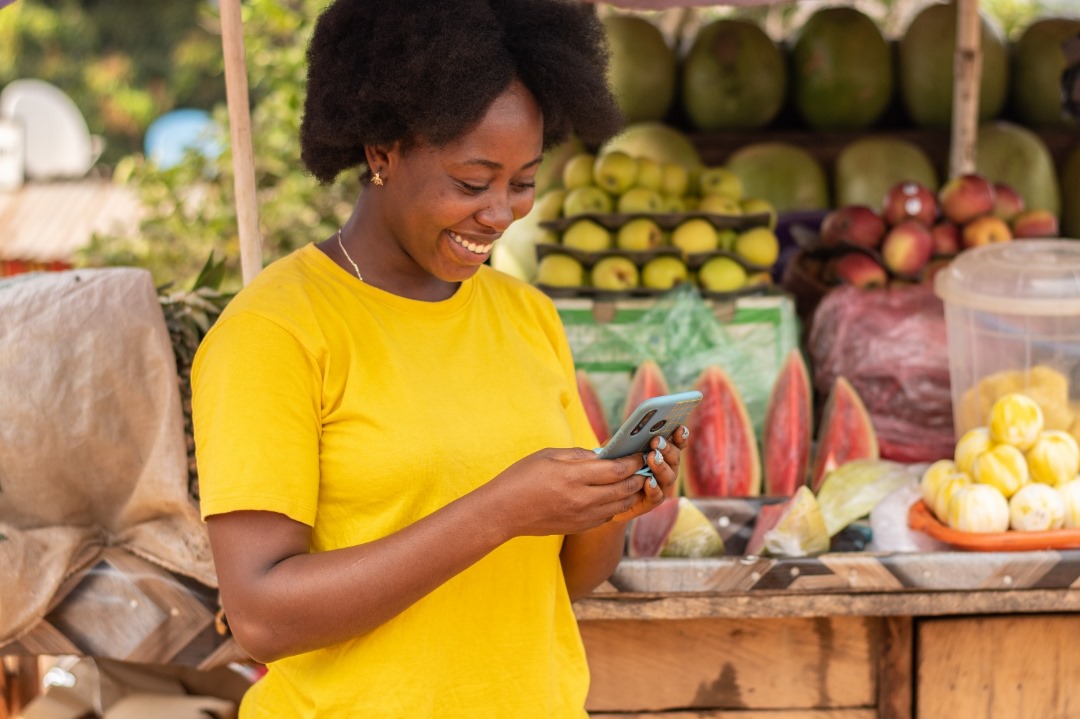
x=794 y=668
x=999 y=667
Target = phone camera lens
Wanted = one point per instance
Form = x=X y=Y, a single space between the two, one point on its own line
x=657 y=427
x=643 y=422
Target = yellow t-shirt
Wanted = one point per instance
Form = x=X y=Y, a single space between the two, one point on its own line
x=358 y=412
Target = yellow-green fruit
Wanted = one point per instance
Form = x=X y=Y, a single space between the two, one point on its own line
x=1036 y=508
x=726 y=239
x=615 y=172
x=979 y=508
x=755 y=279
x=695 y=236
x=614 y=273
x=719 y=205
x=639 y=234
x=640 y=200
x=693 y=534
x=672 y=203
x=1054 y=458
x=650 y=174
x=758 y=245
x=676 y=178
x=1016 y=419
x=577 y=172
x=587 y=236
x=933 y=477
x=722 y=274
x=759 y=206
x=948 y=489
x=549 y=205
x=1070 y=496
x=971 y=445
x=1003 y=467
x=586 y=200
x=720 y=181
x=663 y=273
x=560 y=271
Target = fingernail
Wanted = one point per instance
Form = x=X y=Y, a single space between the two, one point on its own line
x=685 y=432
x=652 y=482
x=657 y=457
x=662 y=444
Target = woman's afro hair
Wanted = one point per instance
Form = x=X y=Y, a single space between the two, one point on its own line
x=383 y=71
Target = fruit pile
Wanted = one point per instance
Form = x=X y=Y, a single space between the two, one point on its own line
x=916 y=231
x=1011 y=473
x=631 y=224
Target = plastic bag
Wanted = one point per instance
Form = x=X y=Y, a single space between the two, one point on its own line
x=891 y=345
x=682 y=333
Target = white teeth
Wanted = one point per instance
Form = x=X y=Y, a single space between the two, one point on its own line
x=470 y=246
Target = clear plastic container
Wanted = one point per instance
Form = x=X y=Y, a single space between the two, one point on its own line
x=1012 y=314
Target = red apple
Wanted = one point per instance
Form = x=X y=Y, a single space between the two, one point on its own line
x=946 y=238
x=854 y=224
x=935 y=266
x=1007 y=202
x=966 y=197
x=909 y=200
x=1035 y=223
x=986 y=230
x=907 y=247
x=860 y=270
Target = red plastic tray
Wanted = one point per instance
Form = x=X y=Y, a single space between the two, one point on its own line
x=922 y=519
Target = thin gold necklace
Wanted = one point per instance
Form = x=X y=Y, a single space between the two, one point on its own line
x=346 y=253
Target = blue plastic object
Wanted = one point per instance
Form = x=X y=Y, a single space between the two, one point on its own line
x=176 y=132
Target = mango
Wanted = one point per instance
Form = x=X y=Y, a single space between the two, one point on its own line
x=971 y=445
x=1036 y=508
x=945 y=493
x=1002 y=467
x=1017 y=420
x=1054 y=459
x=979 y=508
x=1070 y=497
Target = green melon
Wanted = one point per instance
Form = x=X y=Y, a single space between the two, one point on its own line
x=1037 y=64
x=1070 y=194
x=655 y=141
x=927 y=52
x=786 y=175
x=868 y=167
x=841 y=70
x=641 y=68
x=733 y=78
x=1018 y=157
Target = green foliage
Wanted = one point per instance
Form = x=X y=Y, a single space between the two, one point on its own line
x=190 y=208
x=123 y=62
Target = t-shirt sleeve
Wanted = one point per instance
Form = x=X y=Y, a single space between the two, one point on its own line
x=257 y=419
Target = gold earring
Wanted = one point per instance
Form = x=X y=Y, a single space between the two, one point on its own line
x=376 y=180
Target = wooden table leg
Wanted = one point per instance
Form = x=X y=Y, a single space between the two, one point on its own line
x=896 y=680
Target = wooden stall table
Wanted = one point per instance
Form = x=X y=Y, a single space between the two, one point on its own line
x=848 y=635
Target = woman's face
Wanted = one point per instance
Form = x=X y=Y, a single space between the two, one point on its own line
x=446 y=206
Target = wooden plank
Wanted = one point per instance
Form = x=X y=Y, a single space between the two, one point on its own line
x=732 y=664
x=967 y=74
x=896 y=668
x=832 y=604
x=724 y=714
x=999 y=667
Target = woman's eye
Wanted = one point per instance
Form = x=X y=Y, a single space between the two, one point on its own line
x=474 y=189
x=524 y=186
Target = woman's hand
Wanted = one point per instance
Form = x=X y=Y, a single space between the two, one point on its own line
x=663 y=460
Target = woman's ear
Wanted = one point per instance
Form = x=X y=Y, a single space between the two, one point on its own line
x=378 y=157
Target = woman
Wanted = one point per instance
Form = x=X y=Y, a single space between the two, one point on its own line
x=378 y=416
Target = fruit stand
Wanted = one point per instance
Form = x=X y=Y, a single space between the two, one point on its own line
x=853 y=630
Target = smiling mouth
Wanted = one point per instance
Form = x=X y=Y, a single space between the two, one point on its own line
x=473 y=247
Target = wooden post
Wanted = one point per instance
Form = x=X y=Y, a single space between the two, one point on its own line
x=967 y=74
x=236 y=93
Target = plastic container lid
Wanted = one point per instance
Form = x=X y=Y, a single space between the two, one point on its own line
x=1023 y=277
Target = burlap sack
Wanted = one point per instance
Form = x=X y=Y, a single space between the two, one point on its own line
x=92 y=446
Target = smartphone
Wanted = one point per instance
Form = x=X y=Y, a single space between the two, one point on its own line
x=655 y=416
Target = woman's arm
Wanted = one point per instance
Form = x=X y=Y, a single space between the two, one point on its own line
x=281 y=599
x=589 y=557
